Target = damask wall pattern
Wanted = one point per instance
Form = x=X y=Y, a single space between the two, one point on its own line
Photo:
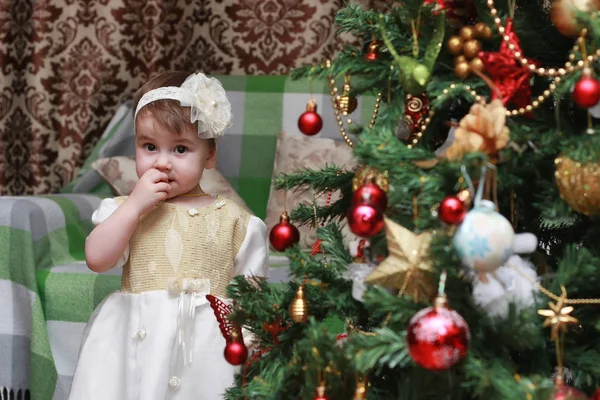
x=66 y=65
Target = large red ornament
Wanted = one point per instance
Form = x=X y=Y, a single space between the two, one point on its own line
x=310 y=123
x=596 y=395
x=370 y=193
x=284 y=234
x=511 y=78
x=586 y=92
x=365 y=220
x=438 y=337
x=236 y=352
x=452 y=210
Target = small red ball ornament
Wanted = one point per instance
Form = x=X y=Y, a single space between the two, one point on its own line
x=310 y=123
x=372 y=194
x=438 y=337
x=236 y=352
x=452 y=210
x=564 y=392
x=365 y=220
x=320 y=393
x=437 y=6
x=586 y=92
x=373 y=52
x=284 y=234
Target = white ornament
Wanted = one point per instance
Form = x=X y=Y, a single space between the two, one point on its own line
x=506 y=286
x=485 y=239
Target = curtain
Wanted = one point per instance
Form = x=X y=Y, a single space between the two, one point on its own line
x=66 y=65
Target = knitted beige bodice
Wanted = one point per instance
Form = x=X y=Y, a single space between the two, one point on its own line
x=173 y=241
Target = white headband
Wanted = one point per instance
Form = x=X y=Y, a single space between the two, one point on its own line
x=207 y=99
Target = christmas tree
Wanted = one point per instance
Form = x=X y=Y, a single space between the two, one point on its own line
x=477 y=198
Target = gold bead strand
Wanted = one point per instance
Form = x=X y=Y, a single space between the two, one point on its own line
x=375 y=110
x=536 y=103
x=333 y=91
x=541 y=71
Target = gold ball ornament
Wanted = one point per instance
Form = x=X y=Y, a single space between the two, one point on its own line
x=476 y=65
x=454 y=45
x=460 y=59
x=578 y=184
x=471 y=48
x=564 y=18
x=462 y=70
x=467 y=33
x=299 y=308
x=482 y=31
x=345 y=103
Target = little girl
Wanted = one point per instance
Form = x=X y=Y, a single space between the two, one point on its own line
x=158 y=338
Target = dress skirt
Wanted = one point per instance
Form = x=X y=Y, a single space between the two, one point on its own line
x=132 y=349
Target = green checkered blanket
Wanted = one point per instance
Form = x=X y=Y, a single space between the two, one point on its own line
x=48 y=293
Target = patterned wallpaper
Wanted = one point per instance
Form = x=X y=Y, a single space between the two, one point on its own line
x=65 y=65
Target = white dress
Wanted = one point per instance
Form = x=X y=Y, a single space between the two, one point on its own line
x=158 y=338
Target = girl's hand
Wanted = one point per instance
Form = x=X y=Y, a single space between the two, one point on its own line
x=152 y=188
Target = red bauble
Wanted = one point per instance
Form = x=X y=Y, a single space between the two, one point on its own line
x=452 y=210
x=596 y=395
x=372 y=194
x=564 y=392
x=284 y=234
x=365 y=220
x=437 y=337
x=236 y=352
x=436 y=5
x=586 y=92
x=310 y=123
x=320 y=393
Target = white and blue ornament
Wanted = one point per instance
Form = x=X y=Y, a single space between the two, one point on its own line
x=485 y=239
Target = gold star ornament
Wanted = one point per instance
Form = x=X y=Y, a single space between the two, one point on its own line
x=407 y=268
x=557 y=317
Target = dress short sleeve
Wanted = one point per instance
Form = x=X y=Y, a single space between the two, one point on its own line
x=253 y=256
x=105 y=210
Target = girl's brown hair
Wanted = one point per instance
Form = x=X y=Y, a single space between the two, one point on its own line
x=168 y=113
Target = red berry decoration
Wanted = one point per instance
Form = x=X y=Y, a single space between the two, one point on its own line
x=365 y=220
x=452 y=210
x=236 y=352
x=372 y=194
x=438 y=337
x=284 y=234
x=586 y=92
x=310 y=123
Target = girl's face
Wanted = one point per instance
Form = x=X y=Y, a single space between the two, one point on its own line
x=183 y=157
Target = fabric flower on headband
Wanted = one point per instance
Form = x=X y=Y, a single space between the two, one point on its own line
x=210 y=106
x=205 y=97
